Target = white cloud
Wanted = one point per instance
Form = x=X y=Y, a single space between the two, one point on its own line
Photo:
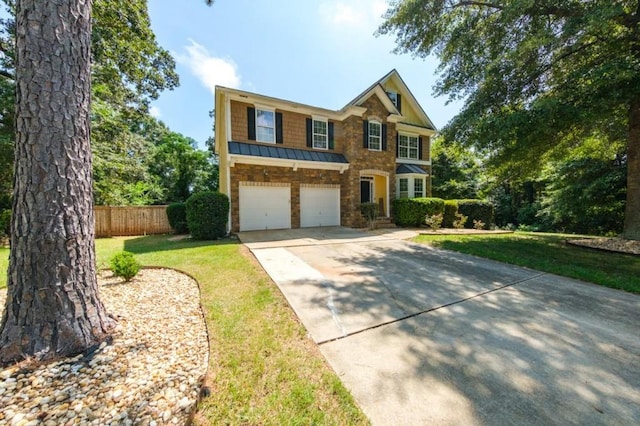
x=154 y=111
x=210 y=70
x=353 y=14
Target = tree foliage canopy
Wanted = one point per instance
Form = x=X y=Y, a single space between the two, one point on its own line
x=129 y=70
x=537 y=76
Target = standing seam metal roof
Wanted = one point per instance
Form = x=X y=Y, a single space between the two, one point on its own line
x=254 y=150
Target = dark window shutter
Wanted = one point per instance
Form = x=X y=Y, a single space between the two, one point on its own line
x=251 y=123
x=399 y=101
x=309 y=133
x=419 y=147
x=330 y=131
x=384 y=137
x=279 y=127
x=365 y=134
x=397 y=144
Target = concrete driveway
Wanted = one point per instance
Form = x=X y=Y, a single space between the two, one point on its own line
x=426 y=336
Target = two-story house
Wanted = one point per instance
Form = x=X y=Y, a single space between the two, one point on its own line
x=289 y=165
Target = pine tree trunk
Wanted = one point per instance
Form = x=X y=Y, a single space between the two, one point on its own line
x=632 y=209
x=52 y=306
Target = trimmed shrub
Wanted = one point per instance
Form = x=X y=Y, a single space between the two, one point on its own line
x=450 y=211
x=370 y=212
x=124 y=265
x=207 y=215
x=177 y=215
x=476 y=210
x=412 y=211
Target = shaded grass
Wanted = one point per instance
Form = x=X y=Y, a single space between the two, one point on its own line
x=548 y=253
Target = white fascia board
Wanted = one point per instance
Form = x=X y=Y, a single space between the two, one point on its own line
x=415 y=129
x=415 y=162
x=282 y=162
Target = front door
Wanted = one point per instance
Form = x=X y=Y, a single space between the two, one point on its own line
x=366 y=190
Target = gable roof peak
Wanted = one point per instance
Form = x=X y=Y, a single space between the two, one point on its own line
x=378 y=86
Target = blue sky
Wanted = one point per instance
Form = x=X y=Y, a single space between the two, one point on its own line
x=317 y=52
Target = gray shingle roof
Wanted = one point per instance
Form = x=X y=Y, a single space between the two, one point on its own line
x=404 y=169
x=255 y=150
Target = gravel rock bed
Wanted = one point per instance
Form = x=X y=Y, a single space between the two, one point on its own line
x=149 y=375
x=609 y=244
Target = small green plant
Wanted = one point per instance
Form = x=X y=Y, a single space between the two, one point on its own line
x=478 y=224
x=124 y=265
x=370 y=212
x=434 y=221
x=460 y=221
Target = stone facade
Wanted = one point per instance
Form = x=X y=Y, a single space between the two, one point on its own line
x=267 y=174
x=361 y=158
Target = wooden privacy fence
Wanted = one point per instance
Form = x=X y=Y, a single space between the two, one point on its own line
x=131 y=220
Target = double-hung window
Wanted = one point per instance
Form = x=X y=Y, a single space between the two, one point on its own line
x=375 y=136
x=408 y=147
x=418 y=187
x=404 y=188
x=320 y=134
x=265 y=125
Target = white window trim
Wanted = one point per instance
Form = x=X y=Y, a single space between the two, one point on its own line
x=400 y=191
x=416 y=180
x=409 y=135
x=313 y=133
x=266 y=109
x=378 y=137
x=411 y=186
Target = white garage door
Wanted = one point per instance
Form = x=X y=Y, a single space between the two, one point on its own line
x=319 y=206
x=265 y=207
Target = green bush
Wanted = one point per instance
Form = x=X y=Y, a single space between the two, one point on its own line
x=461 y=221
x=207 y=215
x=433 y=221
x=177 y=215
x=5 y=225
x=370 y=212
x=124 y=265
x=450 y=211
x=476 y=210
x=412 y=211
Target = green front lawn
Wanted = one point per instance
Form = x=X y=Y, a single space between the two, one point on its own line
x=263 y=367
x=548 y=253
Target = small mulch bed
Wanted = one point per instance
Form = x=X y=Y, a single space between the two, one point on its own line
x=617 y=245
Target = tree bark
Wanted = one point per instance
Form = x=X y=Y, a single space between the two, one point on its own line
x=52 y=308
x=632 y=208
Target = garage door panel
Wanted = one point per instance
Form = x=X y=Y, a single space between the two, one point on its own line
x=319 y=207
x=264 y=207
